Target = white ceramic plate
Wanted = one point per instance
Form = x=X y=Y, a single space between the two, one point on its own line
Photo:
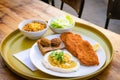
x=37 y=57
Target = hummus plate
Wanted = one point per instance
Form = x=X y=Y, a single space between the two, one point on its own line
x=37 y=58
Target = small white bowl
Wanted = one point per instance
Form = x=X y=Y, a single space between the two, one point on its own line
x=59 y=30
x=32 y=35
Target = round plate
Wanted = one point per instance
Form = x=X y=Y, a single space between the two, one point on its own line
x=37 y=58
x=16 y=42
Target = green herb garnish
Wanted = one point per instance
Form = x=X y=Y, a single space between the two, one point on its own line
x=58 y=56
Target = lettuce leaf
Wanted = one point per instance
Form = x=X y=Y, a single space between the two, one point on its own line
x=62 y=22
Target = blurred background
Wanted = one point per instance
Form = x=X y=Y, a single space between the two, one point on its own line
x=94 y=11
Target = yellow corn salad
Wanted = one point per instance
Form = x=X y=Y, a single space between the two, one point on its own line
x=34 y=26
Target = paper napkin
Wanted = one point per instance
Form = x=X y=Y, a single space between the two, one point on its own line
x=24 y=57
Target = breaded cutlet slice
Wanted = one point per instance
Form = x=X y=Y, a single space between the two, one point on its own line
x=80 y=48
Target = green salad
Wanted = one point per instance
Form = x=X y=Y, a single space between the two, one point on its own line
x=62 y=22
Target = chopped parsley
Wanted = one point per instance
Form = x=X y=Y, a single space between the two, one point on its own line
x=58 y=56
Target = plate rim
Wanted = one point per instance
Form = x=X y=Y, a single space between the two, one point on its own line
x=56 y=35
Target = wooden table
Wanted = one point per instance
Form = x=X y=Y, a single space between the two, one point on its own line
x=12 y=12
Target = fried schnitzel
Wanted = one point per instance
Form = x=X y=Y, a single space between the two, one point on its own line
x=80 y=48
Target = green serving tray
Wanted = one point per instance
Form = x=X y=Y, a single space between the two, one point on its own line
x=16 y=42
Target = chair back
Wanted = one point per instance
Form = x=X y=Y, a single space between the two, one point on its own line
x=113 y=10
x=75 y=4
